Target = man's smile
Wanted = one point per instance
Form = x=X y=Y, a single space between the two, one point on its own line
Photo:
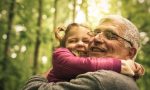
x=97 y=49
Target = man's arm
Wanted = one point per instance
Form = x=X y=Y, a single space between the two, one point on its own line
x=81 y=83
x=99 y=80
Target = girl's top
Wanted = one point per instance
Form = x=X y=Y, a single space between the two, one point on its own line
x=67 y=66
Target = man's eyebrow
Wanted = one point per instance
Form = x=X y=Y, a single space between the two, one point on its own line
x=111 y=30
x=106 y=29
x=97 y=29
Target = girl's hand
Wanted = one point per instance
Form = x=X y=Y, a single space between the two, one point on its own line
x=139 y=70
x=131 y=68
x=127 y=67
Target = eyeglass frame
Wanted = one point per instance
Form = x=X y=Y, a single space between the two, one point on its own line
x=113 y=34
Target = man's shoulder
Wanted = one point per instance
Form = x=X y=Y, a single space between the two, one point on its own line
x=111 y=80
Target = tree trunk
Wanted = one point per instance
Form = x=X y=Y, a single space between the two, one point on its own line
x=9 y=27
x=86 y=10
x=54 y=25
x=5 y=61
x=37 y=44
x=74 y=10
x=55 y=15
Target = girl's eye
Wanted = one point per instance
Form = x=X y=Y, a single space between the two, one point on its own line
x=86 y=41
x=72 y=41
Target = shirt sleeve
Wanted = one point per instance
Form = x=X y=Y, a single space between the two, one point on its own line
x=67 y=66
x=99 y=80
x=40 y=83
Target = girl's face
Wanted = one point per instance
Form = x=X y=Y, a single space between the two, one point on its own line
x=78 y=39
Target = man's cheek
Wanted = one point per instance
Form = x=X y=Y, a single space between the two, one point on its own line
x=91 y=39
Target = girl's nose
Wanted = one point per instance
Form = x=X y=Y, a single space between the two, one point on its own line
x=80 y=43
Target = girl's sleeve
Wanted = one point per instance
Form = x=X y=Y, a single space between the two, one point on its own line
x=67 y=66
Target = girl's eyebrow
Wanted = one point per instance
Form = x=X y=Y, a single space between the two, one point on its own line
x=85 y=38
x=73 y=38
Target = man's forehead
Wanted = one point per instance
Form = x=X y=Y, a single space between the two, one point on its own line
x=110 y=27
x=103 y=27
x=111 y=23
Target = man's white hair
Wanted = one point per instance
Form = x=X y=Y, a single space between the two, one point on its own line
x=131 y=32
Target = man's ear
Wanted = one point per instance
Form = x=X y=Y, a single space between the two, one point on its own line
x=132 y=52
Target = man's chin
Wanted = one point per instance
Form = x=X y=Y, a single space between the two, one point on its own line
x=96 y=54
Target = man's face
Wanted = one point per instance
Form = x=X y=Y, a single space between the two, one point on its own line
x=108 y=42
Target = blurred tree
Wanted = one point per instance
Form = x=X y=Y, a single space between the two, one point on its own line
x=55 y=14
x=74 y=10
x=38 y=41
x=54 y=23
x=31 y=26
x=84 y=6
x=5 y=61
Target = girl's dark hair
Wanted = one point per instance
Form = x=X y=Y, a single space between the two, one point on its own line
x=69 y=27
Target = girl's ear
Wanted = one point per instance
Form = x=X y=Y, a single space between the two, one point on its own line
x=132 y=52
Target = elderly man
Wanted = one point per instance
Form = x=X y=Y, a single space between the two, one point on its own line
x=115 y=37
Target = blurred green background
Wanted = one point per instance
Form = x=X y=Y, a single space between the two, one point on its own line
x=27 y=38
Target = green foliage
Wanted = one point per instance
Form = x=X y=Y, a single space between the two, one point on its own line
x=23 y=35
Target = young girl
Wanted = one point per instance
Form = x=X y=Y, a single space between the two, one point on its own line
x=66 y=61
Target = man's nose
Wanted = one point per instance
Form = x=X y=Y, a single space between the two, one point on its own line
x=99 y=39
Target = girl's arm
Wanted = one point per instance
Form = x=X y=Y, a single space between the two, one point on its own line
x=67 y=66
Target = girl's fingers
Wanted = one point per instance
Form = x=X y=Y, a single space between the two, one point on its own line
x=139 y=69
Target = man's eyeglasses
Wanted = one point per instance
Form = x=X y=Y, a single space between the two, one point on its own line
x=109 y=34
